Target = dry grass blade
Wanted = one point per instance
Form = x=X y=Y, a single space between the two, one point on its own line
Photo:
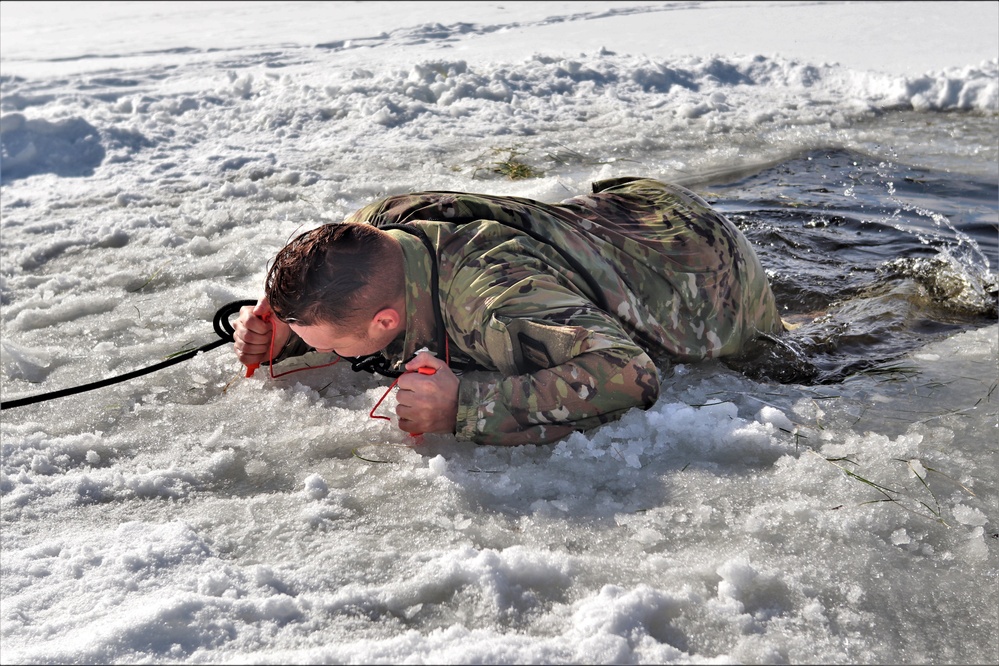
x=185 y=350
x=151 y=277
x=952 y=480
x=357 y=455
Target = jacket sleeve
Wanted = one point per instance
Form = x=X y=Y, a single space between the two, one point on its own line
x=564 y=365
x=294 y=347
x=546 y=405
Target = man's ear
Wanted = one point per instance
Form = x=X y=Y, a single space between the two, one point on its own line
x=386 y=319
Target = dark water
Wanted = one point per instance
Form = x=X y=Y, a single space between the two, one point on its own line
x=872 y=258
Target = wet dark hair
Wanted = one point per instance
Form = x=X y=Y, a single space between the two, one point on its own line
x=340 y=274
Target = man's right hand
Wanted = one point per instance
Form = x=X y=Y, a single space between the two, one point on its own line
x=252 y=334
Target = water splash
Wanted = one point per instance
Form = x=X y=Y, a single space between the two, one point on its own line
x=894 y=259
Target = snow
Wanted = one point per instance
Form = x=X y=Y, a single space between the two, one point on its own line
x=156 y=155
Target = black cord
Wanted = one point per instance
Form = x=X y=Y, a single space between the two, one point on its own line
x=222 y=327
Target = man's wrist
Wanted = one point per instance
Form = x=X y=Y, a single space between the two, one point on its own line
x=290 y=348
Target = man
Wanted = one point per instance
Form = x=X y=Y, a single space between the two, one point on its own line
x=571 y=309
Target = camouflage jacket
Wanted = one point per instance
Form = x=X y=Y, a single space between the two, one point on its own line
x=575 y=308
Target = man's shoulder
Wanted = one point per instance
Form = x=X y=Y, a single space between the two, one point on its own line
x=435 y=205
x=395 y=209
x=458 y=208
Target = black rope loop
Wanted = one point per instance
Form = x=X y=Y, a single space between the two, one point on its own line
x=372 y=363
x=221 y=323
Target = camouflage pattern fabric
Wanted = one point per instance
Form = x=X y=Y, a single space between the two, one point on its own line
x=676 y=280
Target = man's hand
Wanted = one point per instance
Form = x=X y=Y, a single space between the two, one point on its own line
x=427 y=402
x=252 y=333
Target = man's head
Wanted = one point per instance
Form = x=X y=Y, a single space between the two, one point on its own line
x=340 y=284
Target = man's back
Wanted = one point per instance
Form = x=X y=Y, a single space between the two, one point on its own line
x=682 y=281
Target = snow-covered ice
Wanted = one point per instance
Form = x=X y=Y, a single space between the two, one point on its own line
x=156 y=155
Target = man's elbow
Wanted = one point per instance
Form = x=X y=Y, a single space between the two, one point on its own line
x=640 y=382
x=649 y=384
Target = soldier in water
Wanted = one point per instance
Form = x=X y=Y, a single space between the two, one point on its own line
x=570 y=311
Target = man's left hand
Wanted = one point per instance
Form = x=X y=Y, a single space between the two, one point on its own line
x=427 y=402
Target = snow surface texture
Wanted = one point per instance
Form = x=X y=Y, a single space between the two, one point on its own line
x=156 y=155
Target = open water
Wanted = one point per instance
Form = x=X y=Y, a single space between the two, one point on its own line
x=870 y=257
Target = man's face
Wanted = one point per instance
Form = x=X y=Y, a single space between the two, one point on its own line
x=329 y=338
